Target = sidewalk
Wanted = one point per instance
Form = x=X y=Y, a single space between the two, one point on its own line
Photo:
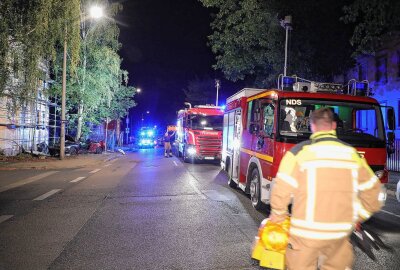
x=71 y=162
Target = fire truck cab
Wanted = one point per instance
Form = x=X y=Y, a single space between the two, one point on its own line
x=199 y=133
x=261 y=125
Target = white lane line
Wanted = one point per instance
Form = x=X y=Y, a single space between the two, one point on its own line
x=176 y=164
x=95 y=171
x=27 y=181
x=390 y=213
x=5 y=217
x=107 y=165
x=46 y=195
x=77 y=179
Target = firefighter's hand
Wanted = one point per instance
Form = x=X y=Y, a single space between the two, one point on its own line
x=274 y=218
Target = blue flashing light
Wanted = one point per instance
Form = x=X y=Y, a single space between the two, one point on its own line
x=288 y=80
x=150 y=133
x=223 y=107
x=287 y=83
x=361 y=88
x=142 y=133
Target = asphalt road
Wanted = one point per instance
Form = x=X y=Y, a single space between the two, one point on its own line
x=141 y=211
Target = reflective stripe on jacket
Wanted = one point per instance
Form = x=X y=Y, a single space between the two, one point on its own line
x=332 y=188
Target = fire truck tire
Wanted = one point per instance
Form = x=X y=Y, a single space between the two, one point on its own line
x=255 y=189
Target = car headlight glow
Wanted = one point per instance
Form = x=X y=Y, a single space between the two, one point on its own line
x=191 y=150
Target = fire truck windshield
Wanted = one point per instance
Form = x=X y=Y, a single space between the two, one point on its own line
x=206 y=122
x=359 y=124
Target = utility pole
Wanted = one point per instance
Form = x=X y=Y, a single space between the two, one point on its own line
x=217 y=85
x=287 y=24
x=63 y=98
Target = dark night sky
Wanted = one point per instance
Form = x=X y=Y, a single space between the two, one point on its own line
x=163 y=47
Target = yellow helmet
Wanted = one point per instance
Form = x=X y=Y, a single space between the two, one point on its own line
x=274 y=236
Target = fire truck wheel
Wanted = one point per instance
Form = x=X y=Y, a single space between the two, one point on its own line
x=255 y=189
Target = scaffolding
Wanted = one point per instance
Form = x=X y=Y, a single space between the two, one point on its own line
x=22 y=129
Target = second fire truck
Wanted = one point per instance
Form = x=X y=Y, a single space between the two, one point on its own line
x=199 y=133
x=261 y=125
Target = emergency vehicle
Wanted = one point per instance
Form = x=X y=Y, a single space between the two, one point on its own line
x=261 y=125
x=199 y=133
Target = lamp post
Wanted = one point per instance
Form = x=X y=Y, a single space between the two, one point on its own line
x=287 y=24
x=217 y=85
x=95 y=13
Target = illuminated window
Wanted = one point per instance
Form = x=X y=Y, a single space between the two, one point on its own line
x=381 y=69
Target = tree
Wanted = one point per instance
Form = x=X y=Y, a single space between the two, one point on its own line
x=39 y=27
x=98 y=77
x=371 y=19
x=200 y=91
x=248 y=40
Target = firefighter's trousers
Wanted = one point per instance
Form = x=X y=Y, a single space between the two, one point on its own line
x=305 y=254
x=167 y=148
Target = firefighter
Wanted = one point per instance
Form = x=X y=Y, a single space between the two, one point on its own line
x=331 y=188
x=168 y=140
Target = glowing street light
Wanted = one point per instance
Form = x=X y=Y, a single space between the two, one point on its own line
x=138 y=90
x=96 y=12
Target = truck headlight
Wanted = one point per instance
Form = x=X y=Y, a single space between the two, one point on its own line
x=191 y=150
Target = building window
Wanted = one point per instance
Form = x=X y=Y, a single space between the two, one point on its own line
x=381 y=69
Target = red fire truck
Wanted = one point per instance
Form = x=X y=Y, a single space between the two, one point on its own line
x=199 y=133
x=261 y=125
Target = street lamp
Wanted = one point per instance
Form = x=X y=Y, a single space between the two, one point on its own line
x=138 y=90
x=95 y=13
x=217 y=85
x=287 y=24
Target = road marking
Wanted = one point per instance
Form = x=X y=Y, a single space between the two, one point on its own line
x=27 y=181
x=95 y=171
x=46 y=195
x=107 y=165
x=5 y=217
x=77 y=179
x=113 y=160
x=390 y=213
x=176 y=164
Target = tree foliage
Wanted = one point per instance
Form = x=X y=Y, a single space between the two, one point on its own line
x=98 y=87
x=248 y=40
x=371 y=19
x=38 y=27
x=200 y=91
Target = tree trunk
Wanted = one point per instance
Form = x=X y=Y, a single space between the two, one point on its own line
x=118 y=131
x=80 y=122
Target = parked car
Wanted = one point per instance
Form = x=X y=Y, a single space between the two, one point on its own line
x=90 y=146
x=72 y=147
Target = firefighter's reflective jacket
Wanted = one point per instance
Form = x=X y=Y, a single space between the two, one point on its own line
x=332 y=188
